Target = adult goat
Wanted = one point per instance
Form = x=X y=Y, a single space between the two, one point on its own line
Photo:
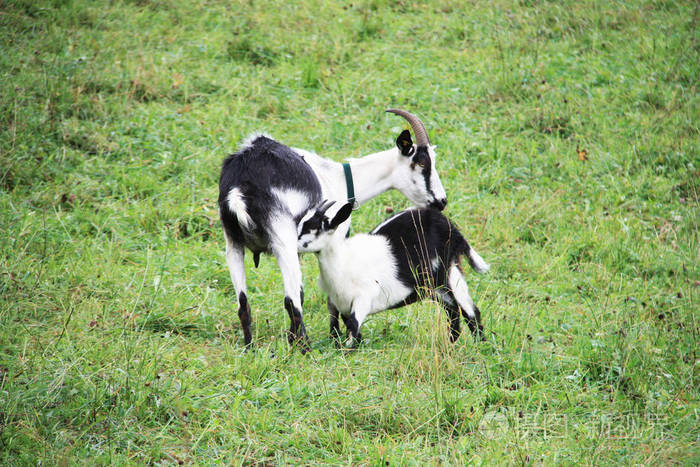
x=266 y=187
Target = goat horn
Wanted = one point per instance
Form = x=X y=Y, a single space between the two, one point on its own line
x=325 y=205
x=416 y=124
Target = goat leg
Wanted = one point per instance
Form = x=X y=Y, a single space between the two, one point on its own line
x=354 y=330
x=297 y=330
x=335 y=324
x=244 y=316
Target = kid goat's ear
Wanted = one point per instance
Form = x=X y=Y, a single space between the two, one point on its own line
x=341 y=216
x=404 y=143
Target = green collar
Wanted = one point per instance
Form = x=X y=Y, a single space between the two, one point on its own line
x=350 y=185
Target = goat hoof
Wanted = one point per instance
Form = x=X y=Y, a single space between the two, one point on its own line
x=353 y=343
x=337 y=340
x=299 y=341
x=248 y=345
x=303 y=345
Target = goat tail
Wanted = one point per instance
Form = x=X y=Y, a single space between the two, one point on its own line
x=475 y=260
x=236 y=204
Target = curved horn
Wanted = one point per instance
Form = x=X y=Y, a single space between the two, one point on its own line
x=416 y=124
x=324 y=206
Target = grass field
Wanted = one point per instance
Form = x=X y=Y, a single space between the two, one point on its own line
x=569 y=146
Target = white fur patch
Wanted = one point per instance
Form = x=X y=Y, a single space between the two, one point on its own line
x=461 y=290
x=435 y=263
x=236 y=205
x=234 y=261
x=435 y=182
x=480 y=265
x=296 y=201
x=283 y=245
x=362 y=269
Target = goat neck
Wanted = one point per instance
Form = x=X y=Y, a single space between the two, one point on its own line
x=372 y=174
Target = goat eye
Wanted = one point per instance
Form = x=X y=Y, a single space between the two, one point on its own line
x=421 y=163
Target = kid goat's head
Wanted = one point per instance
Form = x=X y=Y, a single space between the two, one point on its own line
x=416 y=176
x=315 y=229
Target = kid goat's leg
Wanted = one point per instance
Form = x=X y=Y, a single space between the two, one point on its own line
x=284 y=247
x=460 y=291
x=360 y=310
x=354 y=335
x=335 y=325
x=236 y=267
x=449 y=303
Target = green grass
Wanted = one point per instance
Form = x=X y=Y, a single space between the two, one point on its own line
x=119 y=339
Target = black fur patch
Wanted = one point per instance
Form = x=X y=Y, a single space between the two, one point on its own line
x=404 y=143
x=419 y=236
x=255 y=170
x=425 y=244
x=316 y=223
x=244 y=316
x=352 y=327
x=422 y=159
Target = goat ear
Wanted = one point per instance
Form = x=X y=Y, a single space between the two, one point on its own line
x=404 y=143
x=341 y=216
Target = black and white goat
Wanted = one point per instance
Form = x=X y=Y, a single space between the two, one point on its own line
x=266 y=188
x=405 y=258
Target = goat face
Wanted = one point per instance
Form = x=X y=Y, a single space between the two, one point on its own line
x=416 y=177
x=315 y=230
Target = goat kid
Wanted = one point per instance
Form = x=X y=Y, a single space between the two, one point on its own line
x=266 y=188
x=413 y=252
